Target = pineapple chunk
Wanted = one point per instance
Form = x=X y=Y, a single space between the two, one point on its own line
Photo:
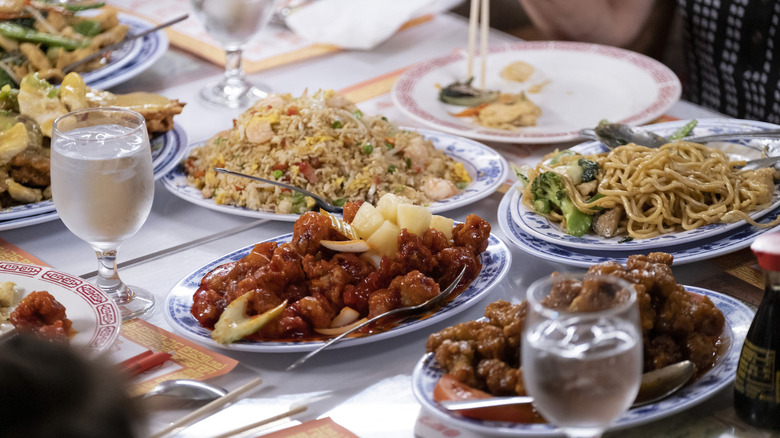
x=385 y=239
x=367 y=220
x=416 y=219
x=443 y=224
x=388 y=206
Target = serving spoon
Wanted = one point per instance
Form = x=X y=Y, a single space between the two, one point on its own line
x=185 y=389
x=320 y=201
x=405 y=311
x=613 y=135
x=656 y=385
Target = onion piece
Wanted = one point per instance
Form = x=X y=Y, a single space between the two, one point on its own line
x=373 y=258
x=346 y=245
x=339 y=330
x=347 y=316
x=233 y=324
x=340 y=225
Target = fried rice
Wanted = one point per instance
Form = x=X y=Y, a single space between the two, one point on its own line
x=325 y=144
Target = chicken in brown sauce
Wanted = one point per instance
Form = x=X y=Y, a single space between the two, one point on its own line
x=676 y=325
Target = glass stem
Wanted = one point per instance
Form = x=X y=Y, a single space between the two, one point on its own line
x=108 y=277
x=233 y=72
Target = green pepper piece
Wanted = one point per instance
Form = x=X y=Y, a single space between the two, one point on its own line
x=77 y=8
x=88 y=28
x=21 y=33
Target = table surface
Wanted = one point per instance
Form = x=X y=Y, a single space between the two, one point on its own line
x=367 y=388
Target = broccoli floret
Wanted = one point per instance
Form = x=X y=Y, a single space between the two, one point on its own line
x=8 y=98
x=556 y=157
x=589 y=169
x=549 y=191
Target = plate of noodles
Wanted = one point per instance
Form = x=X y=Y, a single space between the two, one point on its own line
x=570 y=85
x=684 y=253
x=96 y=318
x=738 y=316
x=335 y=151
x=664 y=197
x=496 y=261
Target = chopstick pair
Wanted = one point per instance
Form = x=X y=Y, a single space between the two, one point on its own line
x=143 y=362
x=479 y=16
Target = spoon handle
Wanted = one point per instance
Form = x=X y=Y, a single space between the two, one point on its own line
x=734 y=135
x=433 y=301
x=327 y=206
x=72 y=66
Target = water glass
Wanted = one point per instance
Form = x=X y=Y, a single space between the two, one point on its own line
x=103 y=185
x=582 y=351
x=232 y=23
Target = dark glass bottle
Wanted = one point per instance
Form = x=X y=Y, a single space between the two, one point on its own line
x=757 y=386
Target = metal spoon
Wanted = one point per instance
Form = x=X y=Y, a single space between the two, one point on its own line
x=656 y=385
x=410 y=310
x=321 y=202
x=74 y=65
x=613 y=135
x=186 y=389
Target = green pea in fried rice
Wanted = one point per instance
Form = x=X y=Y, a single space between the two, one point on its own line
x=325 y=144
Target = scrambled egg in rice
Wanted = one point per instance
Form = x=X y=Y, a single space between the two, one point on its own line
x=325 y=144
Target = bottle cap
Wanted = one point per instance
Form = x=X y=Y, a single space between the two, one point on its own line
x=766 y=247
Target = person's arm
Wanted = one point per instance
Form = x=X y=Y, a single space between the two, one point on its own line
x=611 y=22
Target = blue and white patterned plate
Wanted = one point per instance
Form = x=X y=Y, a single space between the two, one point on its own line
x=738 y=318
x=167 y=150
x=488 y=170
x=684 y=253
x=539 y=227
x=496 y=261
x=131 y=59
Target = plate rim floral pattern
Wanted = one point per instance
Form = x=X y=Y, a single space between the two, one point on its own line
x=538 y=226
x=738 y=319
x=496 y=261
x=489 y=168
x=103 y=319
x=667 y=85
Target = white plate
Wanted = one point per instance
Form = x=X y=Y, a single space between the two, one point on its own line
x=96 y=319
x=738 y=318
x=487 y=168
x=496 y=261
x=684 y=253
x=167 y=150
x=584 y=83
x=538 y=226
x=129 y=61
x=20 y=222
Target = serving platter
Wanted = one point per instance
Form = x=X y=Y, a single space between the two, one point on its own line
x=487 y=168
x=132 y=58
x=496 y=261
x=540 y=227
x=96 y=318
x=684 y=253
x=578 y=85
x=167 y=150
x=738 y=318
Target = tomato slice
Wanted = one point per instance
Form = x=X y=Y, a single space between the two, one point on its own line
x=448 y=388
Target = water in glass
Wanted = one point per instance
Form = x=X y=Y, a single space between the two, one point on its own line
x=583 y=368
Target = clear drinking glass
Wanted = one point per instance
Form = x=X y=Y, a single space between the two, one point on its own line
x=103 y=183
x=582 y=359
x=233 y=23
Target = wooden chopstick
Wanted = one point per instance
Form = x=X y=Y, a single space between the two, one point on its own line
x=209 y=408
x=289 y=413
x=479 y=17
x=483 y=47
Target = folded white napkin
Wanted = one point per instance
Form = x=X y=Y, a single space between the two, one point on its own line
x=355 y=24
